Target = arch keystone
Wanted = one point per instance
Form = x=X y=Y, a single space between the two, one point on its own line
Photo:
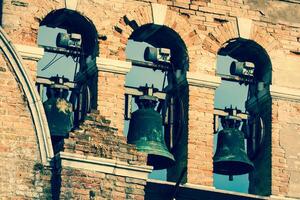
x=71 y=4
x=158 y=13
x=244 y=27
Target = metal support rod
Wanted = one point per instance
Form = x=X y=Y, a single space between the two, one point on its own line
x=177 y=183
x=136 y=92
x=128 y=106
x=171 y=122
x=221 y=112
x=60 y=50
x=46 y=81
x=151 y=65
x=41 y=91
x=233 y=78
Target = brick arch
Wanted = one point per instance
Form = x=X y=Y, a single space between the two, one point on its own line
x=143 y=15
x=228 y=31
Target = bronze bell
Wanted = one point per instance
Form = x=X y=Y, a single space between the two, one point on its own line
x=146 y=132
x=230 y=157
x=58 y=111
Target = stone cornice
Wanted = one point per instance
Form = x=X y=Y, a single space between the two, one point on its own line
x=30 y=52
x=104 y=165
x=278 y=92
x=203 y=80
x=113 y=66
x=275 y=197
x=275 y=92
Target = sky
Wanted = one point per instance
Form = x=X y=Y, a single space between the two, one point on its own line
x=226 y=94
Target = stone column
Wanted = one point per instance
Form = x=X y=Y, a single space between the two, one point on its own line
x=285 y=142
x=196 y=147
x=277 y=162
x=111 y=90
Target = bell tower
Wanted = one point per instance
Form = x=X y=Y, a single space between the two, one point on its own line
x=66 y=137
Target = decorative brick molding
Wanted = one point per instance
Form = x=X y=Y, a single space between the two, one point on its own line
x=32 y=96
x=104 y=165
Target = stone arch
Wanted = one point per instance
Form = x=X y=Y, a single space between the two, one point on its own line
x=229 y=32
x=34 y=102
x=144 y=15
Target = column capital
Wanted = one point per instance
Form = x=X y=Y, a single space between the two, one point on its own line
x=30 y=52
x=284 y=93
x=203 y=80
x=113 y=66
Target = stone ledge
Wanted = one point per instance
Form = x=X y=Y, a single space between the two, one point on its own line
x=113 y=66
x=160 y=189
x=284 y=93
x=104 y=165
x=30 y=52
x=275 y=197
x=203 y=80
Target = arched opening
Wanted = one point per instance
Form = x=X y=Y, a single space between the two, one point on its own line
x=164 y=66
x=246 y=72
x=67 y=74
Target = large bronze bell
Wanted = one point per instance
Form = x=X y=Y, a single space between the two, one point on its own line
x=230 y=157
x=58 y=111
x=145 y=131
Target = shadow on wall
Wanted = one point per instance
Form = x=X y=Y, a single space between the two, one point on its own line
x=1 y=11
x=55 y=179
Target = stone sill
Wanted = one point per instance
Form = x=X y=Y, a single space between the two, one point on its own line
x=103 y=165
x=163 y=189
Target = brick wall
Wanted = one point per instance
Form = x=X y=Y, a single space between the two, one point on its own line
x=84 y=184
x=111 y=102
x=200 y=137
x=285 y=148
x=96 y=138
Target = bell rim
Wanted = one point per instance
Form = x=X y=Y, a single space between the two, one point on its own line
x=156 y=152
x=225 y=167
x=164 y=159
